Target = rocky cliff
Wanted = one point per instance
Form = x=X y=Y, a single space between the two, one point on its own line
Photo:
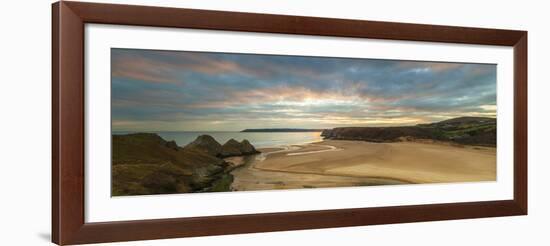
x=144 y=163
x=233 y=148
x=376 y=134
x=281 y=130
x=207 y=144
x=462 y=130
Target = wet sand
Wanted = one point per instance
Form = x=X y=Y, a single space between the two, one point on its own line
x=337 y=163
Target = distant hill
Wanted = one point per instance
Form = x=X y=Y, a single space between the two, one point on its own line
x=462 y=130
x=465 y=119
x=282 y=130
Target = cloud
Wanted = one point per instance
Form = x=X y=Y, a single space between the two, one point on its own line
x=430 y=66
x=166 y=66
x=185 y=90
x=132 y=66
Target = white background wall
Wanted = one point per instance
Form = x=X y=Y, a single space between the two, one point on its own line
x=25 y=123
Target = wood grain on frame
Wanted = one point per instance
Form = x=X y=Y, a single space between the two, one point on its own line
x=68 y=224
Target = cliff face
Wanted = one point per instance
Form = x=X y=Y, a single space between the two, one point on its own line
x=205 y=143
x=247 y=148
x=463 y=130
x=281 y=130
x=144 y=163
x=467 y=130
x=376 y=134
x=234 y=148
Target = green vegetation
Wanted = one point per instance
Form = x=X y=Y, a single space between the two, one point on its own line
x=469 y=131
x=221 y=184
x=144 y=163
x=466 y=130
x=282 y=130
x=462 y=130
x=143 y=179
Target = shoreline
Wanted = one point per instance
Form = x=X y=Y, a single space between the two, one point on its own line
x=336 y=175
x=344 y=163
x=282 y=149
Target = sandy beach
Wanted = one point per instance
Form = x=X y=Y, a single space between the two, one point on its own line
x=337 y=163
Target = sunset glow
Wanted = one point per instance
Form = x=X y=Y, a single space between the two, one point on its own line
x=199 y=91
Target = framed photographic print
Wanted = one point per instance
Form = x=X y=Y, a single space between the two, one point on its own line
x=176 y=122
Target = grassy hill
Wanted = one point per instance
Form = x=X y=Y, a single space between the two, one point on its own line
x=281 y=130
x=144 y=163
x=462 y=130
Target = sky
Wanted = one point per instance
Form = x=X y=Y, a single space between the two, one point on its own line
x=200 y=91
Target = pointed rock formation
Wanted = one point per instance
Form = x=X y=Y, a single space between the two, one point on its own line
x=207 y=144
x=231 y=148
x=172 y=145
x=247 y=148
x=144 y=163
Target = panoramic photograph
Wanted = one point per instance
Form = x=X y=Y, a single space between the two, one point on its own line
x=195 y=122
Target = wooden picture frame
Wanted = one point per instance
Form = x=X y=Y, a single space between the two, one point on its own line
x=68 y=121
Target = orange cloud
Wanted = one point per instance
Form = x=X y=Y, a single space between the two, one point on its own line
x=141 y=69
x=433 y=66
x=298 y=96
x=165 y=71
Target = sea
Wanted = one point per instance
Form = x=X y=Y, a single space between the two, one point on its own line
x=258 y=139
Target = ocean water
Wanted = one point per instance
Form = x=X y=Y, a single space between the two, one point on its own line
x=258 y=139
